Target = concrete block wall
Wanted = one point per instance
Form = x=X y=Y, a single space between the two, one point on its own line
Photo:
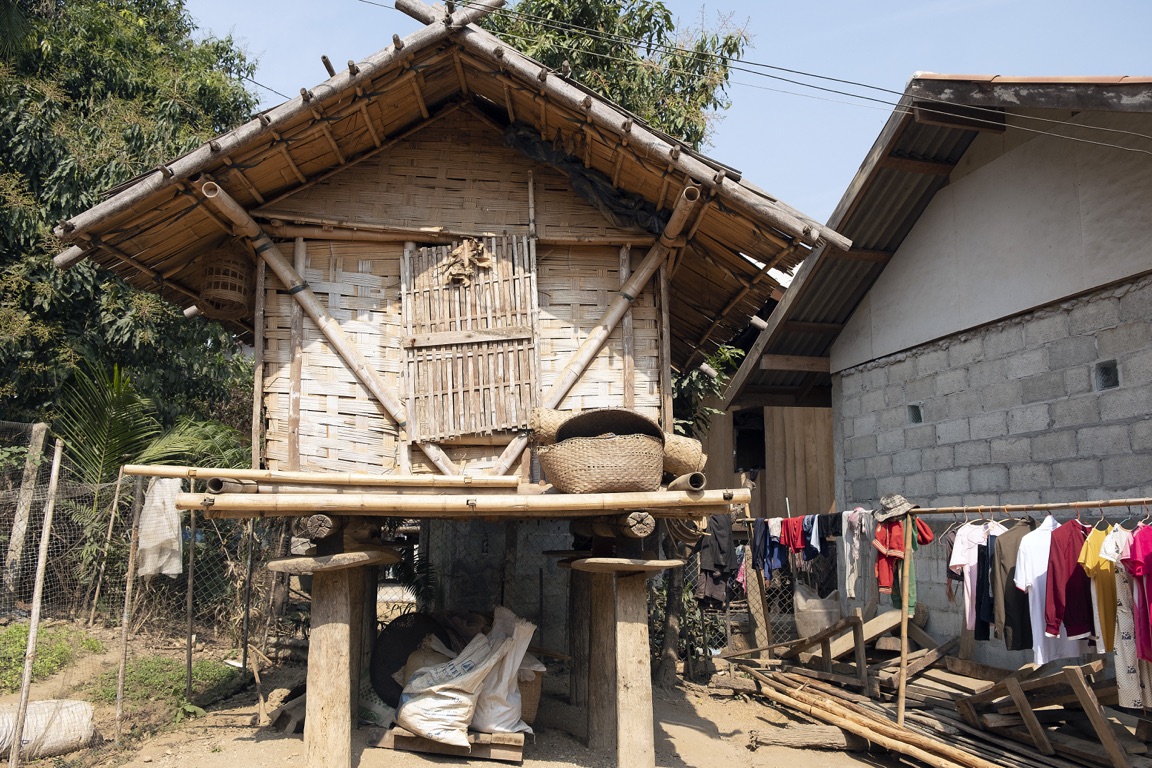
x=1011 y=413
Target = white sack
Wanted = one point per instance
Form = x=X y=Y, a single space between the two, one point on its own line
x=498 y=708
x=813 y=614
x=51 y=727
x=160 y=547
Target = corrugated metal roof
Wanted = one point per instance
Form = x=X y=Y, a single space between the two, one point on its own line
x=887 y=197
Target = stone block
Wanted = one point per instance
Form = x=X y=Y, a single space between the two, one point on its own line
x=981 y=500
x=1140 y=435
x=855 y=469
x=901 y=370
x=872 y=401
x=1027 y=363
x=875 y=378
x=887 y=485
x=1041 y=330
x=931 y=362
x=1075 y=350
x=861 y=447
x=953 y=431
x=1128 y=471
x=1007 y=450
x=850 y=406
x=1051 y=495
x=1079 y=473
x=1004 y=395
x=982 y=426
x=963 y=353
x=864 y=425
x=1136 y=369
x=973 y=453
x=890 y=441
x=943 y=457
x=1126 y=403
x=1054 y=445
x=1003 y=341
x=878 y=466
x=1043 y=387
x=964 y=403
x=892 y=418
x=920 y=389
x=1094 y=315
x=906 y=462
x=1029 y=418
x=951 y=380
x=1076 y=411
x=989 y=479
x=1102 y=441
x=920 y=485
x=864 y=490
x=920 y=436
x=847 y=429
x=851 y=384
x=987 y=372
x=1124 y=339
x=1022 y=477
x=954 y=481
x=1078 y=380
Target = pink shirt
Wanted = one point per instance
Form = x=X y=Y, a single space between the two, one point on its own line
x=1139 y=563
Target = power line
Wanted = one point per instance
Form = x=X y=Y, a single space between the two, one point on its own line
x=265 y=87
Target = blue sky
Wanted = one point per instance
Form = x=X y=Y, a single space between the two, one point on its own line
x=798 y=143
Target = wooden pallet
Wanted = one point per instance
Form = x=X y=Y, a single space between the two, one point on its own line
x=505 y=747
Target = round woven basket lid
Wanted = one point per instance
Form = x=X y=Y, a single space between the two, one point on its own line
x=601 y=421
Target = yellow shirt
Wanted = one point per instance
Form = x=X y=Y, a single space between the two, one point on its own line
x=1103 y=575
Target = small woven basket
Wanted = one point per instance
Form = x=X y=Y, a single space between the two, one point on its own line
x=227 y=284
x=545 y=422
x=530 y=697
x=683 y=455
x=604 y=464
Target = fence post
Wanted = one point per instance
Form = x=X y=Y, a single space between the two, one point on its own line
x=126 y=617
x=23 y=508
x=37 y=598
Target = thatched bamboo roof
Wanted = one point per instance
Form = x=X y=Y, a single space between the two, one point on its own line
x=154 y=230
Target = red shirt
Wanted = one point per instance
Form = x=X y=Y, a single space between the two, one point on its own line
x=792 y=533
x=1069 y=598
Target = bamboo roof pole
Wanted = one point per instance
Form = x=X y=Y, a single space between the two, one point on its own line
x=206 y=155
x=607 y=117
x=322 y=478
x=590 y=347
x=223 y=203
x=559 y=505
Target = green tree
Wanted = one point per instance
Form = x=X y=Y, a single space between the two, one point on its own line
x=631 y=52
x=99 y=92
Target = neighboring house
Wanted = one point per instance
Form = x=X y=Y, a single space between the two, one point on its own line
x=464 y=235
x=988 y=338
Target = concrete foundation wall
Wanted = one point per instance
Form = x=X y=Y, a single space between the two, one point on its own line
x=1011 y=414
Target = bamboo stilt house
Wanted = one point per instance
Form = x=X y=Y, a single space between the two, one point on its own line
x=425 y=248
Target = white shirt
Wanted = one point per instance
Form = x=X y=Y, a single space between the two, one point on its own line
x=1032 y=577
x=964 y=558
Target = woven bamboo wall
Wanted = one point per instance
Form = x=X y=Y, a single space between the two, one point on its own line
x=455 y=174
x=576 y=285
x=341 y=427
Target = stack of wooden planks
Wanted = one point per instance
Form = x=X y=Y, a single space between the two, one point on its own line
x=959 y=712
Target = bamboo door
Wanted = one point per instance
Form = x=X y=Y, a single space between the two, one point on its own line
x=470 y=316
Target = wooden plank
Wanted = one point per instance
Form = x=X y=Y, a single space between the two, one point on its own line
x=1075 y=678
x=926 y=657
x=328 y=722
x=861 y=653
x=602 y=667
x=1035 y=729
x=974 y=669
x=635 y=739
x=878 y=625
x=504 y=747
x=803 y=644
x=579 y=608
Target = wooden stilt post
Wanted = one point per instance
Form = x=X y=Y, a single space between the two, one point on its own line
x=635 y=741
x=602 y=663
x=328 y=726
x=579 y=609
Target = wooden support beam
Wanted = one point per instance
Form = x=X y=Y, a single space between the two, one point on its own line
x=635 y=740
x=328 y=725
x=912 y=165
x=1092 y=708
x=629 y=363
x=1035 y=729
x=794 y=363
x=602 y=665
x=863 y=254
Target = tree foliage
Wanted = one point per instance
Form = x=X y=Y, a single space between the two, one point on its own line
x=92 y=94
x=631 y=52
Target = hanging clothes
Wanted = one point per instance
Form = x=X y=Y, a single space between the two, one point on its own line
x=160 y=547
x=1137 y=561
x=856 y=525
x=777 y=558
x=1009 y=604
x=983 y=592
x=792 y=533
x=759 y=542
x=1032 y=577
x=965 y=558
x=889 y=543
x=1102 y=574
x=1069 y=600
x=1133 y=674
x=811 y=537
x=718 y=560
x=948 y=541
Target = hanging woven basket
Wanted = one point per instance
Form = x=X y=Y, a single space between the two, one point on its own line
x=227 y=289
x=683 y=455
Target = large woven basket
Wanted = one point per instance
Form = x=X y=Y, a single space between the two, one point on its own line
x=227 y=284
x=604 y=464
x=530 y=697
x=545 y=422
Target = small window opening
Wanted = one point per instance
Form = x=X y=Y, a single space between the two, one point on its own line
x=1107 y=375
x=915 y=414
x=748 y=432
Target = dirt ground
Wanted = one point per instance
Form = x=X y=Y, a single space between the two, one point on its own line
x=694 y=727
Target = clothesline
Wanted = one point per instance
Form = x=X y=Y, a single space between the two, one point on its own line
x=1035 y=507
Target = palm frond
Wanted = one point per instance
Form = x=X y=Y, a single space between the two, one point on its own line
x=202 y=443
